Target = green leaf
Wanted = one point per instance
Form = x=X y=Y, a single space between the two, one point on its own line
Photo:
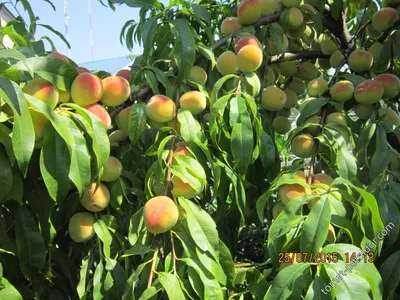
x=57 y=33
x=148 y=30
x=137 y=122
x=390 y=274
x=355 y=79
x=217 y=87
x=209 y=54
x=315 y=228
x=353 y=232
x=190 y=128
x=81 y=288
x=30 y=244
x=202 y=12
x=184 y=48
x=9 y=291
x=311 y=108
x=98 y=281
x=137 y=249
x=104 y=235
x=314 y=290
x=6 y=176
x=267 y=151
x=346 y=162
x=171 y=286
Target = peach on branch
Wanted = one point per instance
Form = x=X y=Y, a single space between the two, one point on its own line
x=291 y=98
x=249 y=58
x=342 y=91
x=181 y=149
x=372 y=33
x=101 y=113
x=384 y=18
x=308 y=71
x=288 y=192
x=360 y=61
x=80 y=227
x=288 y=68
x=249 y=11
x=268 y=7
x=273 y=98
x=95 y=198
x=86 y=89
x=328 y=46
x=112 y=169
x=64 y=96
x=160 y=214
x=291 y=3
x=337 y=118
x=59 y=56
x=390 y=118
x=316 y=87
x=297 y=85
x=157 y=125
x=193 y=101
x=375 y=49
x=295 y=18
x=116 y=90
x=363 y=111
x=390 y=83
x=336 y=59
x=281 y=124
x=368 y=92
x=277 y=209
x=42 y=90
x=125 y=73
x=198 y=75
x=117 y=137
x=295 y=45
x=296 y=33
x=230 y=25
x=331 y=238
x=250 y=40
x=160 y=108
x=303 y=145
x=227 y=63
x=313 y=130
x=123 y=119
x=182 y=189
x=321 y=178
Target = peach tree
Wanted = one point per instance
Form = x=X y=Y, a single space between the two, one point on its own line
x=250 y=152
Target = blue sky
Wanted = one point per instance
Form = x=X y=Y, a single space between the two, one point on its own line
x=106 y=26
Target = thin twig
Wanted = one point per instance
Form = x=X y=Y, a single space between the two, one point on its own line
x=153 y=266
x=173 y=253
x=359 y=25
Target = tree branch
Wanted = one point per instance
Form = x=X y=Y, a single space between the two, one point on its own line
x=297 y=55
x=339 y=29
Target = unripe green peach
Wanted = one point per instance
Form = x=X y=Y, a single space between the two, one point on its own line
x=341 y=130
x=309 y=35
x=249 y=58
x=59 y=56
x=116 y=137
x=273 y=98
x=296 y=33
x=336 y=59
x=363 y=111
x=124 y=73
x=112 y=169
x=193 y=101
x=316 y=87
x=116 y=90
x=281 y=125
x=86 y=89
x=296 y=18
x=227 y=63
x=342 y=91
x=384 y=18
x=291 y=98
x=249 y=11
x=157 y=125
x=160 y=108
x=324 y=63
x=390 y=119
x=295 y=45
x=297 y=85
x=80 y=227
x=390 y=83
x=230 y=25
x=182 y=189
x=360 y=61
x=308 y=71
x=64 y=96
x=303 y=145
x=123 y=119
x=253 y=88
x=288 y=68
x=328 y=46
x=372 y=33
x=284 y=112
x=368 y=92
x=42 y=90
x=95 y=198
x=160 y=214
x=277 y=209
x=268 y=7
x=198 y=75
x=101 y=113
x=313 y=130
x=375 y=49
x=272 y=46
x=337 y=118
x=291 y=3
x=249 y=40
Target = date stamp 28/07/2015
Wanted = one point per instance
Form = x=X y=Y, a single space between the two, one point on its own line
x=321 y=257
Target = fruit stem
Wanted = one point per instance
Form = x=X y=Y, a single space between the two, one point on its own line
x=153 y=266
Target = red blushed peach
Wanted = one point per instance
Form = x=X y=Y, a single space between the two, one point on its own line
x=342 y=91
x=249 y=12
x=384 y=18
x=123 y=119
x=82 y=70
x=249 y=58
x=86 y=89
x=193 y=101
x=182 y=189
x=303 y=145
x=57 y=55
x=160 y=108
x=322 y=179
x=230 y=25
x=368 y=92
x=181 y=149
x=390 y=83
x=116 y=90
x=42 y=90
x=95 y=198
x=360 y=61
x=247 y=41
x=101 y=113
x=112 y=169
x=125 y=73
x=160 y=214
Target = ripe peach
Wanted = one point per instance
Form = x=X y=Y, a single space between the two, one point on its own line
x=160 y=108
x=249 y=12
x=95 y=198
x=288 y=192
x=328 y=46
x=321 y=178
x=390 y=83
x=198 y=75
x=80 y=227
x=281 y=125
x=230 y=25
x=101 y=113
x=384 y=18
x=64 y=96
x=360 y=61
x=342 y=91
x=296 y=18
x=316 y=87
x=123 y=119
x=82 y=70
x=249 y=58
x=308 y=71
x=303 y=145
x=125 y=73
x=252 y=40
x=291 y=3
x=297 y=85
x=181 y=149
x=112 y=169
x=42 y=90
x=57 y=55
x=268 y=7
x=390 y=119
x=291 y=98
x=363 y=111
x=288 y=68
x=273 y=98
x=277 y=209
x=116 y=137
x=86 y=89
x=337 y=118
x=368 y=92
x=227 y=63
x=116 y=90
x=336 y=59
x=193 y=101
x=313 y=130
x=182 y=189
x=160 y=214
